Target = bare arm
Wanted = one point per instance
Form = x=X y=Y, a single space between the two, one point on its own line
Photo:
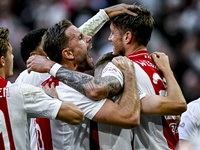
x=174 y=103
x=70 y=113
x=126 y=113
x=94 y=88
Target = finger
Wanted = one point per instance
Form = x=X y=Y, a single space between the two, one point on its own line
x=47 y=85
x=29 y=70
x=115 y=61
x=53 y=85
x=154 y=56
x=131 y=13
x=30 y=59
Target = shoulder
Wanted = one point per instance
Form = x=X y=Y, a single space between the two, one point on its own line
x=194 y=108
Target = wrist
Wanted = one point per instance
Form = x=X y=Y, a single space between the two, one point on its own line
x=54 y=68
x=105 y=13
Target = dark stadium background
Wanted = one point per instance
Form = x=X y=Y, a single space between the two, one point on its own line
x=176 y=32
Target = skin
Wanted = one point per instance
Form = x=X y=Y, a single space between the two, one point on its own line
x=76 y=54
x=7 y=63
x=118 y=9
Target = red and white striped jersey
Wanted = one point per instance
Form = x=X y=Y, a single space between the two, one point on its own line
x=154 y=132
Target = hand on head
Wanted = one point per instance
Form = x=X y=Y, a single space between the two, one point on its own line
x=119 y=9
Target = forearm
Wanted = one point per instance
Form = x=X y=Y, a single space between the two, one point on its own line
x=130 y=101
x=174 y=92
x=94 y=88
x=70 y=113
x=172 y=104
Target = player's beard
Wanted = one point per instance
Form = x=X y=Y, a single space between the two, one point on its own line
x=85 y=64
x=119 y=52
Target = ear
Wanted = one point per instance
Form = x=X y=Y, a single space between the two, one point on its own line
x=128 y=37
x=68 y=53
x=2 y=62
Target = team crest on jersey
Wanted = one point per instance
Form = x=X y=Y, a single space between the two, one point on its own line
x=110 y=69
x=182 y=125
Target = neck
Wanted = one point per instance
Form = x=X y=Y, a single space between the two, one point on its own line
x=2 y=74
x=135 y=49
x=69 y=65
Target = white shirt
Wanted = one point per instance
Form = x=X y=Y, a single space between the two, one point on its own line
x=65 y=136
x=189 y=127
x=19 y=103
x=33 y=78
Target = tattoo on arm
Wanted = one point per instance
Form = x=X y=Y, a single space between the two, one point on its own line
x=108 y=86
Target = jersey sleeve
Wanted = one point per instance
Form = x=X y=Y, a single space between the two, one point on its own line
x=93 y=25
x=54 y=69
x=37 y=103
x=88 y=106
x=33 y=78
x=111 y=70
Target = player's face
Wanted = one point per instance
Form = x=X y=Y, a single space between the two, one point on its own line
x=80 y=43
x=116 y=39
x=9 y=62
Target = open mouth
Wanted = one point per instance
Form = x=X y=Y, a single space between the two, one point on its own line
x=89 y=57
x=90 y=47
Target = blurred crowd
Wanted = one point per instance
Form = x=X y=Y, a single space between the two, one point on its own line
x=176 y=32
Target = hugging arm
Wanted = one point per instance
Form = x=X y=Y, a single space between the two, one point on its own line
x=94 y=88
x=125 y=113
x=172 y=104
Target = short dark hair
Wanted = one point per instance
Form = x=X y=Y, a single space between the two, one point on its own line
x=4 y=41
x=30 y=42
x=141 y=26
x=106 y=57
x=55 y=40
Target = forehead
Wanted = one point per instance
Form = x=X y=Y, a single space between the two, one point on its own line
x=113 y=28
x=72 y=31
x=9 y=47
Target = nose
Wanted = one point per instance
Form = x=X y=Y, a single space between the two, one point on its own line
x=89 y=38
x=110 y=37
